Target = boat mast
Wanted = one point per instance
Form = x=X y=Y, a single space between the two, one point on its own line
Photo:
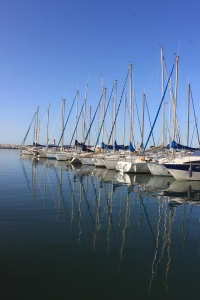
x=131 y=101
x=47 y=140
x=124 y=118
x=175 y=102
x=114 y=103
x=188 y=123
x=36 y=128
x=77 y=98
x=102 y=91
x=103 y=112
x=90 y=123
x=63 y=117
x=84 y=114
x=38 y=138
x=143 y=105
x=163 y=104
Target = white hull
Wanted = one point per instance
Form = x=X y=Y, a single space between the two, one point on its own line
x=111 y=163
x=51 y=155
x=63 y=156
x=98 y=161
x=27 y=152
x=184 y=175
x=86 y=161
x=42 y=155
x=132 y=167
x=158 y=169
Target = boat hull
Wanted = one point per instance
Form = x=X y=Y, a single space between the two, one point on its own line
x=158 y=169
x=184 y=171
x=98 y=162
x=132 y=167
x=63 y=156
x=111 y=163
x=86 y=160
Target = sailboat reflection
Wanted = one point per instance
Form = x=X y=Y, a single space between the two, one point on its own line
x=117 y=215
x=180 y=191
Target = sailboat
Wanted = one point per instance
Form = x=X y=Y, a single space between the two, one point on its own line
x=135 y=163
x=112 y=159
x=30 y=150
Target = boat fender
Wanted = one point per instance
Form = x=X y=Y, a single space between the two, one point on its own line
x=190 y=171
x=142 y=158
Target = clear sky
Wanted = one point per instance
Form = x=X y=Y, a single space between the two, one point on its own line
x=49 y=49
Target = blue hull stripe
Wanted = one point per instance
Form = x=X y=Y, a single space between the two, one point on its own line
x=183 y=167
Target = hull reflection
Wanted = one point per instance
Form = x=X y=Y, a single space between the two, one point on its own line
x=131 y=223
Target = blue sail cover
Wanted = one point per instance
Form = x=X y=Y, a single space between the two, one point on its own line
x=103 y=146
x=177 y=146
x=118 y=147
x=131 y=147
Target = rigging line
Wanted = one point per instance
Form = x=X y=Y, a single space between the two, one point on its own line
x=172 y=99
x=153 y=75
x=149 y=120
x=128 y=110
x=103 y=118
x=118 y=109
x=195 y=117
x=138 y=118
x=88 y=123
x=66 y=121
x=92 y=120
x=158 y=109
x=40 y=129
x=55 y=122
x=77 y=124
x=28 y=130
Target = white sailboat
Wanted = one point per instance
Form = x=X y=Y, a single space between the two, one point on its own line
x=156 y=166
x=185 y=168
x=111 y=161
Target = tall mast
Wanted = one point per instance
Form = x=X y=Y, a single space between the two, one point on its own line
x=103 y=111
x=144 y=99
x=38 y=138
x=131 y=101
x=102 y=91
x=84 y=114
x=163 y=104
x=47 y=140
x=115 y=101
x=36 y=127
x=188 y=123
x=124 y=119
x=63 y=117
x=77 y=98
x=175 y=100
x=197 y=138
x=90 y=123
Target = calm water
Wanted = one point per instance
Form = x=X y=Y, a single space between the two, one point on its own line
x=88 y=233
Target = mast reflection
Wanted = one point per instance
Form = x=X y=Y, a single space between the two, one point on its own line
x=113 y=212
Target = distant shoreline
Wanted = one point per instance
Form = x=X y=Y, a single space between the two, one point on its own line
x=9 y=146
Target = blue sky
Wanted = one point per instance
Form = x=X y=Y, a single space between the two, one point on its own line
x=49 y=49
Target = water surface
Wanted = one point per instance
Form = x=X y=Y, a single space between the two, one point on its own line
x=89 y=233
